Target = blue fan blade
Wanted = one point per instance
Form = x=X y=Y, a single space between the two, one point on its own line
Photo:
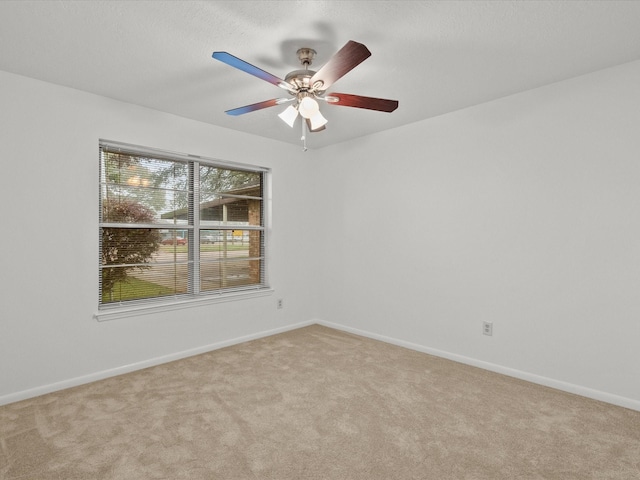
x=253 y=107
x=251 y=69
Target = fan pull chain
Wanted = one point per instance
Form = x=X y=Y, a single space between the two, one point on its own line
x=304 y=136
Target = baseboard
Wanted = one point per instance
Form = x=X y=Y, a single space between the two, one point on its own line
x=529 y=377
x=74 y=382
x=540 y=380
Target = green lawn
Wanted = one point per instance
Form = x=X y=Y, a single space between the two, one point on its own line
x=134 y=289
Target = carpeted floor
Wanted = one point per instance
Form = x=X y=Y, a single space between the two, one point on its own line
x=316 y=403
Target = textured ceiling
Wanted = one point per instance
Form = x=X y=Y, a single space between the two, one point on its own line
x=433 y=56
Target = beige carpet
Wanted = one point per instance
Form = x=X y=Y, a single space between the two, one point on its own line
x=316 y=403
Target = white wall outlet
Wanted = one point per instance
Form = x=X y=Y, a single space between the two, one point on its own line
x=280 y=303
x=487 y=328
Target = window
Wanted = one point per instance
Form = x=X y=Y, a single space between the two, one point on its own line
x=177 y=227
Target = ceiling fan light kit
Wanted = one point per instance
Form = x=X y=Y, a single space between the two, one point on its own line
x=306 y=87
x=289 y=115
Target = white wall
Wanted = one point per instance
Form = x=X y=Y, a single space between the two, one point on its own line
x=49 y=243
x=523 y=212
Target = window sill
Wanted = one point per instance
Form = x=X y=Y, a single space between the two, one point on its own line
x=178 y=304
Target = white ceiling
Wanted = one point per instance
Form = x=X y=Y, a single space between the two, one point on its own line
x=433 y=56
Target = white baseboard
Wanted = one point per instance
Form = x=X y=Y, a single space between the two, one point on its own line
x=74 y=382
x=540 y=380
x=529 y=377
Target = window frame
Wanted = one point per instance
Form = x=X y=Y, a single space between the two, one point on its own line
x=194 y=295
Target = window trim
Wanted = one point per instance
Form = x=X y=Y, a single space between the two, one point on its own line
x=116 y=310
x=125 y=311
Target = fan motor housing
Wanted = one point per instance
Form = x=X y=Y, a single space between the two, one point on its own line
x=300 y=79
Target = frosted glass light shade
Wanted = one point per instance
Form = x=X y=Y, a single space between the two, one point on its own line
x=317 y=121
x=308 y=107
x=289 y=115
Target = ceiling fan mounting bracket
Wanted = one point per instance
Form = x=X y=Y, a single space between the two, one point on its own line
x=305 y=55
x=300 y=78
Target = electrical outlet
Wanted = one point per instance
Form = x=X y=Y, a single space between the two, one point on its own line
x=487 y=328
x=280 y=303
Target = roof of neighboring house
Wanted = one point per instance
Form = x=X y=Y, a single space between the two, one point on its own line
x=212 y=209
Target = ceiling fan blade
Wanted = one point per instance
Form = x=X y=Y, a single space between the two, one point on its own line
x=358 y=101
x=251 y=69
x=342 y=62
x=257 y=106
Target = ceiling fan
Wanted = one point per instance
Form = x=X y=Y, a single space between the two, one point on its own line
x=306 y=87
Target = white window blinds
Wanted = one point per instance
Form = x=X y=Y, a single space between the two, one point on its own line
x=175 y=225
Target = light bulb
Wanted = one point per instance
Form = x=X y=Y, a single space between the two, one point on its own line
x=289 y=115
x=308 y=107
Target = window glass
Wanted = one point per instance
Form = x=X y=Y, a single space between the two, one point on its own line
x=173 y=226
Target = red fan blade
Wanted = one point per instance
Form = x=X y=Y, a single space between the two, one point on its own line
x=370 y=103
x=342 y=62
x=256 y=106
x=251 y=69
